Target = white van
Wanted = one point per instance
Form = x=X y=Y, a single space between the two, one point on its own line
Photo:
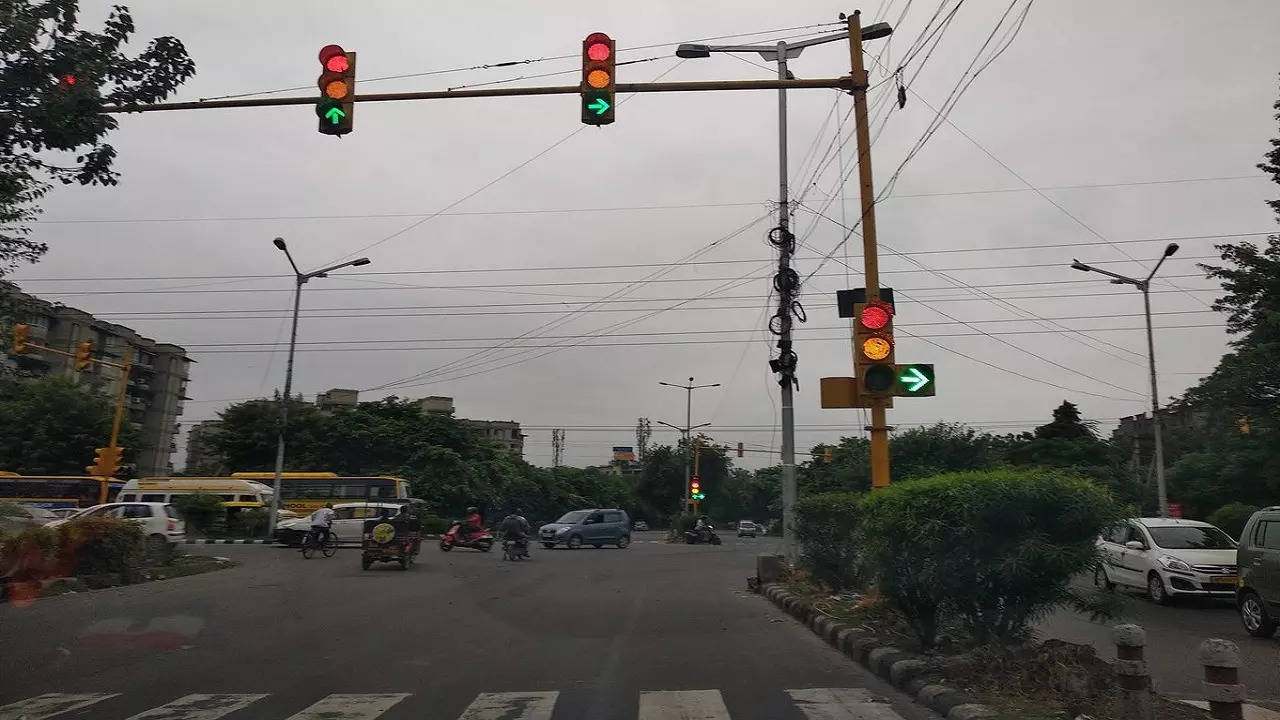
x=234 y=492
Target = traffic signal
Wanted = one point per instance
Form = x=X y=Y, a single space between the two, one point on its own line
x=597 y=79
x=695 y=489
x=337 y=90
x=739 y=449
x=914 y=380
x=21 y=336
x=873 y=348
x=106 y=463
x=84 y=356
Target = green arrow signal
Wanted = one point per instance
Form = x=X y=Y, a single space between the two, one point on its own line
x=914 y=379
x=334 y=115
x=599 y=105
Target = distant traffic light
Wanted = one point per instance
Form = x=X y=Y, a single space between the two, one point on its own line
x=597 y=79
x=337 y=84
x=695 y=489
x=84 y=356
x=107 y=462
x=739 y=449
x=873 y=348
x=21 y=336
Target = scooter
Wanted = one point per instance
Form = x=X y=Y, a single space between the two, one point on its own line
x=515 y=549
x=706 y=535
x=480 y=540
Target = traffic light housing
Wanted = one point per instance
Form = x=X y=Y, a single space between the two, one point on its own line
x=21 y=337
x=695 y=489
x=84 y=356
x=914 y=380
x=873 y=349
x=597 y=79
x=337 y=83
x=107 y=462
x=739 y=449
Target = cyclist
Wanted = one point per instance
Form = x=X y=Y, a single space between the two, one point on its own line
x=321 y=521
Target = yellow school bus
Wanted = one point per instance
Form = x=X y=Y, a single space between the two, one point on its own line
x=305 y=491
x=55 y=491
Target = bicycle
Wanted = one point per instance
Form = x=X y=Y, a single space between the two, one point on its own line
x=309 y=545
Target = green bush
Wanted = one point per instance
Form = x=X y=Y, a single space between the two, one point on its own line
x=201 y=511
x=825 y=525
x=247 y=522
x=1232 y=517
x=433 y=525
x=93 y=546
x=995 y=548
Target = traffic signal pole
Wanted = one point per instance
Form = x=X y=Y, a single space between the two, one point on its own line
x=879 y=428
x=125 y=367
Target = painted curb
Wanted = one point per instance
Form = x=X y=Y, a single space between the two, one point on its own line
x=901 y=669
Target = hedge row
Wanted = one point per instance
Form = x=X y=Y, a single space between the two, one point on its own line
x=79 y=548
x=993 y=549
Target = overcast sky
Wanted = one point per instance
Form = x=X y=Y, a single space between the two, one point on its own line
x=1132 y=95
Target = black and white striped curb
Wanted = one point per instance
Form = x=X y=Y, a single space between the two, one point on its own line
x=229 y=541
x=902 y=669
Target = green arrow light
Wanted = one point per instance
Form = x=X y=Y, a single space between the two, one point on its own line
x=914 y=379
x=335 y=115
x=599 y=105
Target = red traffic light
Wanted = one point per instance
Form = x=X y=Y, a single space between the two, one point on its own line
x=876 y=317
x=329 y=51
x=598 y=50
x=337 y=63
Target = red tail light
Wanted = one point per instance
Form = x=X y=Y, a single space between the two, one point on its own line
x=173 y=525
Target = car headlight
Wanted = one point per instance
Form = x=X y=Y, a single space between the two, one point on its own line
x=562 y=531
x=1174 y=563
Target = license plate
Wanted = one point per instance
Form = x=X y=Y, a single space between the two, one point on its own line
x=1224 y=580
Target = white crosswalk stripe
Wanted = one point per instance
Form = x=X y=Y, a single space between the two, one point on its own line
x=683 y=705
x=199 y=707
x=48 y=705
x=511 y=706
x=350 y=707
x=813 y=703
x=841 y=704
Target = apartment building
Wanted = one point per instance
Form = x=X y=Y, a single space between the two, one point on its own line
x=156 y=385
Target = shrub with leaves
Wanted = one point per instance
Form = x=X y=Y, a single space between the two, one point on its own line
x=200 y=510
x=825 y=526
x=97 y=545
x=995 y=548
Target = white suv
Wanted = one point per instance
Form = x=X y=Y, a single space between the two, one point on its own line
x=160 y=522
x=1169 y=557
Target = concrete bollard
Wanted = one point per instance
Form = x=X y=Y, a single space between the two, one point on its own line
x=1222 y=687
x=1136 y=701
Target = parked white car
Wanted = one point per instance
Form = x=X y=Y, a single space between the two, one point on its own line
x=1170 y=557
x=160 y=522
x=348 y=522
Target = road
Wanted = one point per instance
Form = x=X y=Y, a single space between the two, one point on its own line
x=654 y=631
x=1174 y=634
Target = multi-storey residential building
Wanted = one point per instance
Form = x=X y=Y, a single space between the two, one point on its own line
x=202 y=456
x=157 y=381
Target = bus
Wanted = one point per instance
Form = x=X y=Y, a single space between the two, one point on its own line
x=56 y=491
x=304 y=492
x=233 y=492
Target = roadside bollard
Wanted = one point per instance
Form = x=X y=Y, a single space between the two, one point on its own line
x=1131 y=669
x=1222 y=688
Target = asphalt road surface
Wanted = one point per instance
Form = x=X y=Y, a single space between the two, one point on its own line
x=652 y=632
x=1174 y=634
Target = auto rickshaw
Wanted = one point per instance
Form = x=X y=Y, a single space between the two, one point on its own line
x=391 y=539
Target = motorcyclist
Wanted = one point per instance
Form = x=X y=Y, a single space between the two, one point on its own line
x=515 y=527
x=470 y=525
x=703 y=526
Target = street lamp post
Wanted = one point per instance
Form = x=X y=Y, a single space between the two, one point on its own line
x=1157 y=431
x=300 y=279
x=686 y=430
x=785 y=364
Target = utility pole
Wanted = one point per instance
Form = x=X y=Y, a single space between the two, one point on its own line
x=643 y=433
x=1156 y=430
x=300 y=279
x=685 y=432
x=557 y=448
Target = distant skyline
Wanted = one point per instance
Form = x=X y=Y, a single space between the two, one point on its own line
x=1103 y=132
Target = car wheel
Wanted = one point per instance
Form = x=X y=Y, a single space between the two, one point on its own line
x=1155 y=588
x=1253 y=614
x=575 y=542
x=624 y=541
x=1100 y=579
x=548 y=545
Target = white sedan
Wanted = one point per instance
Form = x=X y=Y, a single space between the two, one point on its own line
x=348 y=522
x=1169 y=557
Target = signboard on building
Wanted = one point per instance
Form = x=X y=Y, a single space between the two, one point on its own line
x=1175 y=510
x=624 y=453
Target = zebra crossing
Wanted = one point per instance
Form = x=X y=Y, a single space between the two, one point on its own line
x=812 y=704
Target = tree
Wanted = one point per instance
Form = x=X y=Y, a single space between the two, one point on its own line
x=1065 y=442
x=55 y=80
x=51 y=426
x=661 y=484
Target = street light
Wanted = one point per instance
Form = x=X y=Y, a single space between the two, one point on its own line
x=785 y=363
x=687 y=429
x=1145 y=287
x=300 y=279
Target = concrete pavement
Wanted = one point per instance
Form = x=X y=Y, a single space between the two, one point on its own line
x=650 y=632
x=1174 y=634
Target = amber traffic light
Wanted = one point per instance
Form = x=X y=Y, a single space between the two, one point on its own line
x=84 y=356
x=597 y=79
x=21 y=336
x=873 y=348
x=337 y=83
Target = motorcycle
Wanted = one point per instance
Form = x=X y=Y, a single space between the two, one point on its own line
x=706 y=535
x=480 y=540
x=514 y=549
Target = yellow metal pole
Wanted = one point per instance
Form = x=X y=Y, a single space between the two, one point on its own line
x=115 y=423
x=870 y=261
